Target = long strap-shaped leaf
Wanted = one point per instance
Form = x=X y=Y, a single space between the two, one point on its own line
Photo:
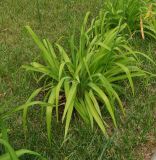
x=49 y=110
x=95 y=114
x=108 y=86
x=20 y=153
x=46 y=69
x=58 y=88
x=69 y=107
x=91 y=94
x=25 y=110
x=66 y=88
x=68 y=117
x=126 y=70
x=82 y=111
x=4 y=131
x=70 y=99
x=50 y=49
x=66 y=59
x=89 y=113
x=45 y=53
x=20 y=108
x=12 y=154
x=123 y=77
x=61 y=69
x=105 y=100
x=83 y=36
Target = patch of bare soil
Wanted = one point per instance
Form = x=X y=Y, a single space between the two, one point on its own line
x=147 y=150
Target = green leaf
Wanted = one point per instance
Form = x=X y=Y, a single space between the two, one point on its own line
x=109 y=88
x=58 y=88
x=105 y=100
x=45 y=53
x=89 y=114
x=66 y=59
x=25 y=110
x=66 y=88
x=95 y=114
x=42 y=69
x=70 y=99
x=20 y=108
x=68 y=118
x=61 y=69
x=91 y=94
x=49 y=110
x=126 y=70
x=20 y=153
x=4 y=131
x=81 y=109
x=11 y=151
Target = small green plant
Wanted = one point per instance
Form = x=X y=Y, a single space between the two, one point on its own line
x=88 y=78
x=150 y=28
x=9 y=152
x=136 y=14
x=128 y=12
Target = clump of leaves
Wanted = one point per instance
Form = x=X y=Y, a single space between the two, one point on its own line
x=89 y=77
x=136 y=14
x=150 y=28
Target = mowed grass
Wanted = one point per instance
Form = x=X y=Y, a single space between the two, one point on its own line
x=56 y=20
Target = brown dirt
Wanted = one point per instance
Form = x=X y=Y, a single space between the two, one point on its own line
x=148 y=149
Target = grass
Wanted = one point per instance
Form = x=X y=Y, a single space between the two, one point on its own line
x=135 y=133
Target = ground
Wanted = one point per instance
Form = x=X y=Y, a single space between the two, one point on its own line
x=136 y=135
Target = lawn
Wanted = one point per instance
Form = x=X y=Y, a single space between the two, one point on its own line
x=135 y=137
